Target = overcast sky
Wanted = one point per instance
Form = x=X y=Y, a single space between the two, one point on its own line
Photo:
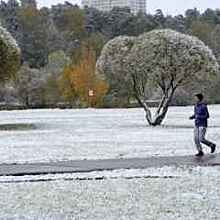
x=168 y=6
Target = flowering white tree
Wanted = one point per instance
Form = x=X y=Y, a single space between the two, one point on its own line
x=9 y=55
x=165 y=58
x=113 y=63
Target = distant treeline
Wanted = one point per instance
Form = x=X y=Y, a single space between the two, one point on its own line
x=58 y=42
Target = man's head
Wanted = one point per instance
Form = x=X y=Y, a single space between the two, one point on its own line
x=199 y=97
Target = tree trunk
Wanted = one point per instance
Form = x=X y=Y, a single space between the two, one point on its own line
x=163 y=106
x=159 y=117
x=161 y=110
x=146 y=109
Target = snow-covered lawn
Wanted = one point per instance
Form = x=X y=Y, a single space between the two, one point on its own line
x=192 y=194
x=97 y=134
x=168 y=193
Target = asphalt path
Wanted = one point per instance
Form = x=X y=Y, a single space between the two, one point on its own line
x=85 y=166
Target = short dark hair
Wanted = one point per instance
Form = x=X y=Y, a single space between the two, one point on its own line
x=199 y=96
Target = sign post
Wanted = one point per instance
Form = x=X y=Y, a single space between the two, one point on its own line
x=91 y=95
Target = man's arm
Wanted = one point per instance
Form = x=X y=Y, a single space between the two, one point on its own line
x=193 y=116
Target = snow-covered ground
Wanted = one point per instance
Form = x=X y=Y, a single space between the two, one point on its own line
x=168 y=193
x=159 y=194
x=97 y=134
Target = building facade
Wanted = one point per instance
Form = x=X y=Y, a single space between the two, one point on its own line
x=28 y=3
x=107 y=5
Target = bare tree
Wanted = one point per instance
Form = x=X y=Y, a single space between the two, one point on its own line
x=164 y=58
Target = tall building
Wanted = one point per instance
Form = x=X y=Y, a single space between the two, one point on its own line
x=107 y=5
x=29 y=3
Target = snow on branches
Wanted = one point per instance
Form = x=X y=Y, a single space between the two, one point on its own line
x=9 y=55
x=165 y=58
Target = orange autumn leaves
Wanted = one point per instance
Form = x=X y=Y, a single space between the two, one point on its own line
x=80 y=81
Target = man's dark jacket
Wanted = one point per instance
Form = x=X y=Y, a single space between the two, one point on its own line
x=201 y=115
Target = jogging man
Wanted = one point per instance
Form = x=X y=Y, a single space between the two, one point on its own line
x=201 y=115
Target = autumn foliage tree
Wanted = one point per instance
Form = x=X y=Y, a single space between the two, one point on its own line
x=80 y=82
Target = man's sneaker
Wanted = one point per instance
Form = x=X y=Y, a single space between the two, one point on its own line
x=200 y=154
x=213 y=147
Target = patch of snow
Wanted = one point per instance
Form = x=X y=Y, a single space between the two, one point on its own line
x=195 y=195
x=98 y=134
